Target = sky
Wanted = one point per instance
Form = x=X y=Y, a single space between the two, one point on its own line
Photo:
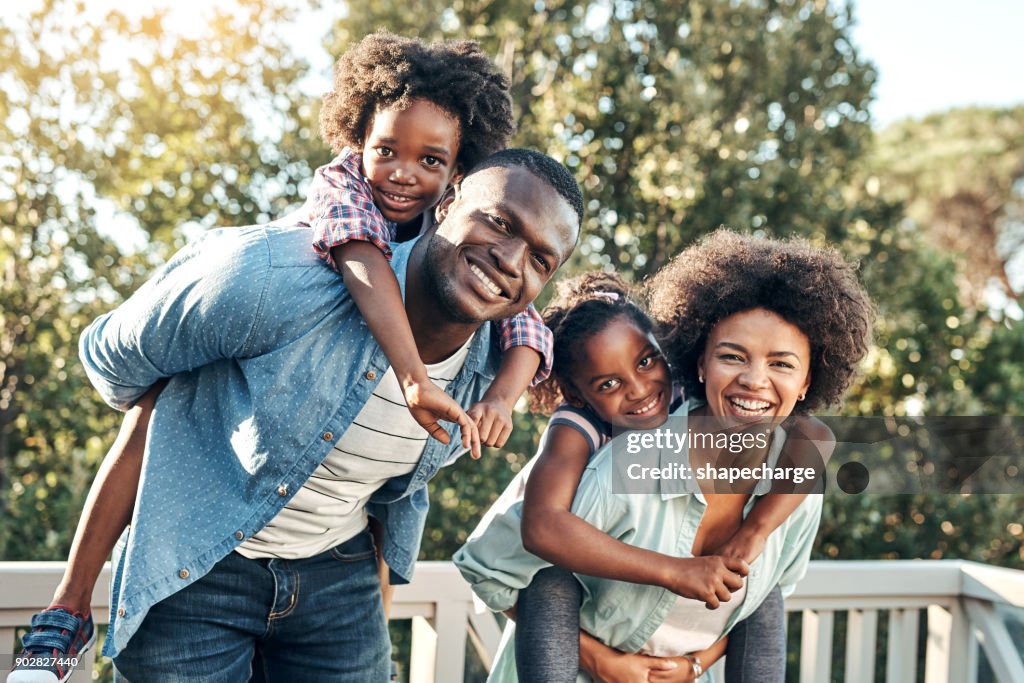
x=935 y=55
x=931 y=56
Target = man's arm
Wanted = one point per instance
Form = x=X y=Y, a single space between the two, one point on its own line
x=199 y=307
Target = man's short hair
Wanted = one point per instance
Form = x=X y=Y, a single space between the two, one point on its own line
x=544 y=167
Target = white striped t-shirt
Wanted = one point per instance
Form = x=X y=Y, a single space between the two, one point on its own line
x=383 y=442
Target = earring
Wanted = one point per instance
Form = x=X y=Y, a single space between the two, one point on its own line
x=700 y=378
x=802 y=397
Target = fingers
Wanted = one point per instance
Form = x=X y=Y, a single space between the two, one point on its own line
x=502 y=438
x=438 y=432
x=737 y=565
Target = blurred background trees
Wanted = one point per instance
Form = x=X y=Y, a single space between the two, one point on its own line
x=122 y=139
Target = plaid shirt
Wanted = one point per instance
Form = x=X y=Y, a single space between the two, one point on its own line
x=341 y=209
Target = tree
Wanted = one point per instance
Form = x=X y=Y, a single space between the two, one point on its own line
x=105 y=165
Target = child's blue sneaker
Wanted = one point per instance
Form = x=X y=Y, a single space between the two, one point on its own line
x=53 y=647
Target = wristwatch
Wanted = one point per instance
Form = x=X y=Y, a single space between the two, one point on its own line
x=694 y=661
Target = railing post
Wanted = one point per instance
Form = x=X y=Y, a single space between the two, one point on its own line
x=816 y=646
x=901 y=657
x=861 y=636
x=952 y=654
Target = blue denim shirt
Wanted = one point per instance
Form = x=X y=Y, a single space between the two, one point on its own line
x=270 y=361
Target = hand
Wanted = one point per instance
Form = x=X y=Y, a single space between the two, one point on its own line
x=623 y=667
x=493 y=420
x=745 y=545
x=683 y=673
x=428 y=404
x=712 y=579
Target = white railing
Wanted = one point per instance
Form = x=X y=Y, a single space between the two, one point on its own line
x=963 y=605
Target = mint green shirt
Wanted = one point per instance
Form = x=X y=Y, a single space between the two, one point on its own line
x=625 y=615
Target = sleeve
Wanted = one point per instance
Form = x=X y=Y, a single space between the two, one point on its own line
x=528 y=329
x=201 y=306
x=342 y=208
x=494 y=561
x=801 y=542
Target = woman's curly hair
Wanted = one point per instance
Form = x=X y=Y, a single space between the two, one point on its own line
x=726 y=273
x=385 y=70
x=582 y=307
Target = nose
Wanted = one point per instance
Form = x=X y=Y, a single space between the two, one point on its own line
x=402 y=174
x=509 y=254
x=755 y=376
x=637 y=387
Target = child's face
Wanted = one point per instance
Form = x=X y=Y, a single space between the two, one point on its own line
x=409 y=157
x=623 y=377
x=755 y=367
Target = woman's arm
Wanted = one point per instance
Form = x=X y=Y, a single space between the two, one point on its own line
x=551 y=531
x=809 y=445
x=608 y=665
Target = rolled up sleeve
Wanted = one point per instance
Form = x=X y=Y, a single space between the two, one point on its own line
x=202 y=306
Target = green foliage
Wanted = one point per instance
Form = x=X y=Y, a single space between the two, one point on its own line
x=676 y=117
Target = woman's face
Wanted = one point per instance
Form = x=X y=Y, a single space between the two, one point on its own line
x=756 y=366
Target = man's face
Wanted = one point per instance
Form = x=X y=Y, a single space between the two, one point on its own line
x=503 y=234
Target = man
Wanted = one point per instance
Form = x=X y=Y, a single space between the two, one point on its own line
x=277 y=436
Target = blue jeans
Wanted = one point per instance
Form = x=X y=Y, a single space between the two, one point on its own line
x=319 y=620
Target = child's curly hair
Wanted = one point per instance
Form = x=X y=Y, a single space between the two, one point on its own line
x=726 y=273
x=385 y=70
x=582 y=307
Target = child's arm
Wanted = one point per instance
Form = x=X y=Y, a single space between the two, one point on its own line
x=611 y=666
x=108 y=508
x=493 y=412
x=555 y=534
x=374 y=288
x=351 y=234
x=809 y=444
x=527 y=346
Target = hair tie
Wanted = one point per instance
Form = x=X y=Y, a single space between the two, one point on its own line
x=611 y=296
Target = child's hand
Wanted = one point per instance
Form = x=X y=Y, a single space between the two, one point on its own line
x=428 y=404
x=745 y=545
x=712 y=579
x=493 y=420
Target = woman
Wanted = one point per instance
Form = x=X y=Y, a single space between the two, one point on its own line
x=757 y=330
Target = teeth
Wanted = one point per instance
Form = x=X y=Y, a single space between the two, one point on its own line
x=488 y=282
x=647 y=408
x=750 y=406
x=398 y=198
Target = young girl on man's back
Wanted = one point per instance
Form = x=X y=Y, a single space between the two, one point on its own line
x=407 y=120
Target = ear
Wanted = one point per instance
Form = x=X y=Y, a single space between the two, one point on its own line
x=443 y=206
x=807 y=384
x=700 y=367
x=457 y=176
x=571 y=396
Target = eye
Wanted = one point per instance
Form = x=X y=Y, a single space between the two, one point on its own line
x=432 y=162
x=731 y=357
x=541 y=262
x=783 y=364
x=608 y=385
x=649 y=361
x=499 y=222
x=385 y=151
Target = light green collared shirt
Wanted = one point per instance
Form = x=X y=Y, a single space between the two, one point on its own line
x=625 y=615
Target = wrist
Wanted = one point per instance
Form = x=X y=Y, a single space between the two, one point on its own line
x=695 y=665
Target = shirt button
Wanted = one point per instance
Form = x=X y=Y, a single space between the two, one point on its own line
x=239 y=535
x=282 y=490
x=183 y=573
x=120 y=611
x=370 y=374
x=328 y=436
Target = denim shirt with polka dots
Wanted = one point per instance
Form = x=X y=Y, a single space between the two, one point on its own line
x=269 y=362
